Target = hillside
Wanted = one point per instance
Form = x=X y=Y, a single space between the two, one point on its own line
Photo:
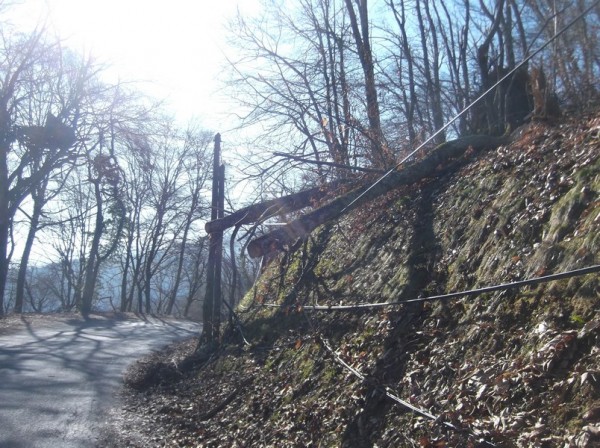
x=518 y=367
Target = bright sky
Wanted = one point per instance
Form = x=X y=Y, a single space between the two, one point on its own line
x=174 y=46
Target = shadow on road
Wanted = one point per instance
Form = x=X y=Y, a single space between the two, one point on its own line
x=58 y=378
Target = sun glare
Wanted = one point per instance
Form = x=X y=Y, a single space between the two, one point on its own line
x=175 y=48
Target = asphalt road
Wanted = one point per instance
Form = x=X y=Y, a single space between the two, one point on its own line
x=59 y=379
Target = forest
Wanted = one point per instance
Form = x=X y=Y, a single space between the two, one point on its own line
x=104 y=197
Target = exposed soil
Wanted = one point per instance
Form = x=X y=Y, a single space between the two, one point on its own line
x=516 y=368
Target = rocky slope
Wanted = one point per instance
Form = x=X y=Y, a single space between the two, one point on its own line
x=515 y=368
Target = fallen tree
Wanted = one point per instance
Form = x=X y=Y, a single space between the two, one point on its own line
x=266 y=209
x=412 y=173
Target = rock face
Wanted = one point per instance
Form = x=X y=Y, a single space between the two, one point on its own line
x=514 y=368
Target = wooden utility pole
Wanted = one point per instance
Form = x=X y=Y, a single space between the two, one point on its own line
x=212 y=300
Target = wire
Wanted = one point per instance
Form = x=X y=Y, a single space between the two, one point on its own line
x=362 y=377
x=479 y=98
x=387 y=391
x=472 y=292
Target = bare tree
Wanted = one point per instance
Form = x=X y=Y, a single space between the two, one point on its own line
x=195 y=273
x=92 y=210
x=194 y=178
x=118 y=124
x=165 y=177
x=137 y=190
x=573 y=61
x=72 y=237
x=379 y=153
x=105 y=177
x=31 y=147
x=301 y=77
x=75 y=72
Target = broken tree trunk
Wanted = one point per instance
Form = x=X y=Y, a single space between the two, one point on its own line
x=266 y=209
x=410 y=174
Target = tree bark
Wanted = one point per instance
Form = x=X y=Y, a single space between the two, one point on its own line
x=265 y=209
x=24 y=264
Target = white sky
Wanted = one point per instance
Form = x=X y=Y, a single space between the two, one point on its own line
x=174 y=46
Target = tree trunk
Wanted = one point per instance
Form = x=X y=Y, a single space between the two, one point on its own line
x=4 y=229
x=147 y=287
x=22 y=275
x=428 y=167
x=91 y=272
x=360 y=30
x=432 y=71
x=125 y=303
x=409 y=95
x=136 y=286
x=181 y=259
x=4 y=202
x=140 y=299
x=38 y=204
x=266 y=209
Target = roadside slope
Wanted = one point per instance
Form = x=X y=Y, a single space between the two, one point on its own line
x=512 y=368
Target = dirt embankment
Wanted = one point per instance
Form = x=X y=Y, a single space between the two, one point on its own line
x=519 y=367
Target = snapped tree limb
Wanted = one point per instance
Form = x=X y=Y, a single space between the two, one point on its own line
x=285 y=204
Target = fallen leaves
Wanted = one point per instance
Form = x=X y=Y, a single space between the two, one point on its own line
x=515 y=369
